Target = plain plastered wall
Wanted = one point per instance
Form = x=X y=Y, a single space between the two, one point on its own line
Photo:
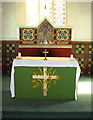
x=13 y=15
x=21 y=14
x=91 y=21
x=9 y=30
x=78 y=17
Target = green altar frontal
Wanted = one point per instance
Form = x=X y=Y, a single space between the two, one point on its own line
x=33 y=83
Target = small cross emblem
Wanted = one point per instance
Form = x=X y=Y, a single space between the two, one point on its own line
x=45 y=53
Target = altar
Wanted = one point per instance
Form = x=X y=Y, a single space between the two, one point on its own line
x=36 y=78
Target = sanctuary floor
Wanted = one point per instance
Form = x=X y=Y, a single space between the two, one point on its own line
x=27 y=108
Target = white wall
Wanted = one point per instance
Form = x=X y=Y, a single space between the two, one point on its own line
x=20 y=14
x=9 y=30
x=92 y=21
x=78 y=17
x=0 y=21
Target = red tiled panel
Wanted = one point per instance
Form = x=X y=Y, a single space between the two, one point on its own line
x=79 y=56
x=4 y=61
x=86 y=60
x=57 y=52
x=3 y=48
x=77 y=43
x=86 y=49
x=12 y=41
x=5 y=55
x=73 y=49
x=10 y=55
x=17 y=48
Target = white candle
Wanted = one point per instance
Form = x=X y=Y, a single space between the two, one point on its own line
x=19 y=54
x=71 y=56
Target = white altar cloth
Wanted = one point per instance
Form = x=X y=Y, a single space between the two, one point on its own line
x=59 y=62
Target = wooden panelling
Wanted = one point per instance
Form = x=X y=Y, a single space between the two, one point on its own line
x=55 y=52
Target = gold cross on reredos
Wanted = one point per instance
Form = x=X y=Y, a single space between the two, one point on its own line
x=45 y=77
x=45 y=53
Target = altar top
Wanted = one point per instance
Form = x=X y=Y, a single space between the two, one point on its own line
x=48 y=58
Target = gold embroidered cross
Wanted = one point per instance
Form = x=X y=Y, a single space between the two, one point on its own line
x=45 y=77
